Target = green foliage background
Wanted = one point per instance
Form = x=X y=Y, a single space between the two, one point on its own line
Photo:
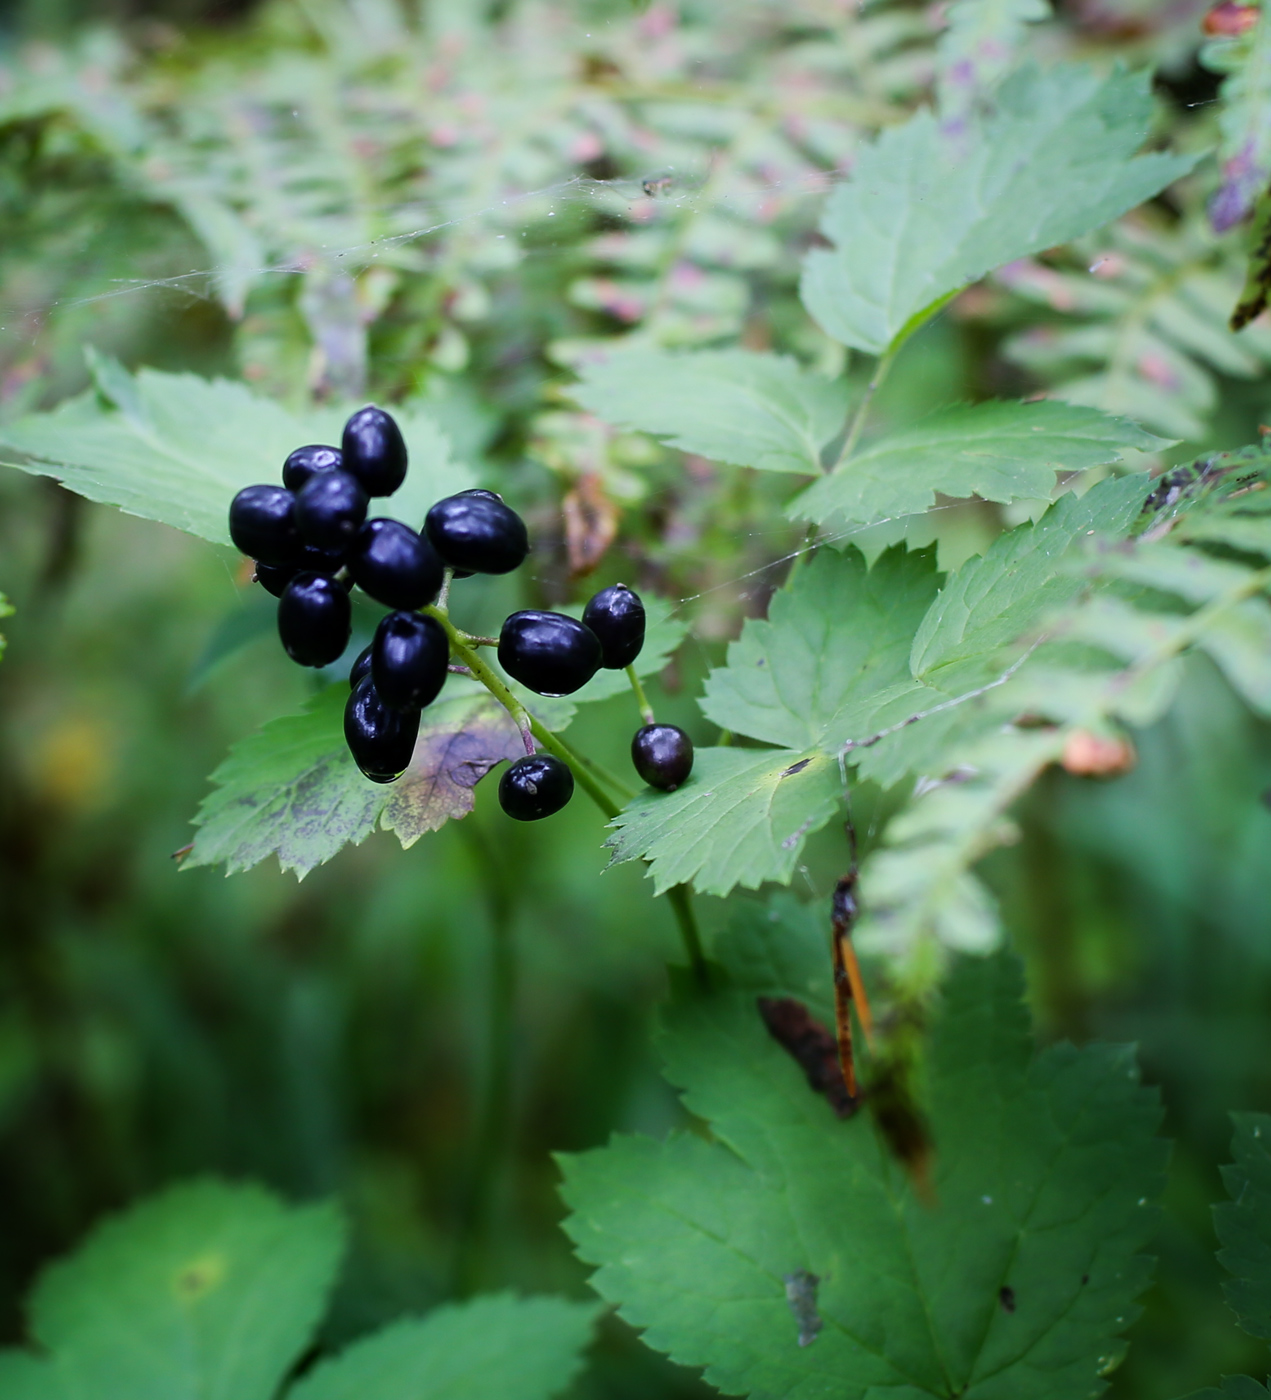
x=454 y=208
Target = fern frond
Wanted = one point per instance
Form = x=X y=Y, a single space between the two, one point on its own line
x=1140 y=324
x=1244 y=121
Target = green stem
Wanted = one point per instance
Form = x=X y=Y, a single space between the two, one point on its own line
x=642 y=700
x=682 y=907
x=861 y=412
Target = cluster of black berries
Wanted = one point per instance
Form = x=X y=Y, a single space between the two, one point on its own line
x=311 y=541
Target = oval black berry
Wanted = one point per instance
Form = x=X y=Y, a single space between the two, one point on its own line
x=408 y=660
x=314 y=619
x=374 y=451
x=395 y=565
x=616 y=616
x=274 y=578
x=330 y=509
x=380 y=739
x=305 y=462
x=533 y=788
x=361 y=667
x=663 y=755
x=262 y=523
x=549 y=652
x=476 y=532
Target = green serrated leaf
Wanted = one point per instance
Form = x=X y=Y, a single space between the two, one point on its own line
x=928 y=209
x=175 y=448
x=733 y=406
x=740 y=819
x=497 y=1347
x=1232 y=1388
x=206 y=1292
x=997 y=597
x=999 y=451
x=1017 y=1280
x=1244 y=1225
x=831 y=662
x=292 y=788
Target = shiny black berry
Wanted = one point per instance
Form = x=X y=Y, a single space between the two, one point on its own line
x=408 y=660
x=305 y=462
x=663 y=755
x=380 y=739
x=314 y=619
x=533 y=788
x=361 y=667
x=549 y=652
x=616 y=616
x=374 y=451
x=274 y=578
x=330 y=509
x=395 y=565
x=476 y=532
x=262 y=523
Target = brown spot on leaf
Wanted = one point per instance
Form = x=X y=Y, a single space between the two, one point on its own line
x=1006 y=1296
x=812 y=1048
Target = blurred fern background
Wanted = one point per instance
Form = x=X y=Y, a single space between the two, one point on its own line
x=455 y=203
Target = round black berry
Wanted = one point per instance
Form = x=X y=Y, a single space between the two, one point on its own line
x=549 y=652
x=374 y=451
x=314 y=619
x=533 y=788
x=381 y=740
x=408 y=660
x=663 y=755
x=273 y=578
x=476 y=532
x=361 y=667
x=305 y=462
x=262 y=524
x=616 y=616
x=330 y=509
x=395 y=565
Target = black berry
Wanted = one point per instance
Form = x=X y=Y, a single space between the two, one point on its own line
x=381 y=740
x=476 y=532
x=273 y=578
x=408 y=660
x=663 y=755
x=533 y=788
x=305 y=462
x=314 y=619
x=374 y=451
x=616 y=616
x=395 y=565
x=549 y=652
x=361 y=667
x=262 y=524
x=330 y=509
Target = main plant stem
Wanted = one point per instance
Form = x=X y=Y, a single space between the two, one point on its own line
x=677 y=895
x=861 y=412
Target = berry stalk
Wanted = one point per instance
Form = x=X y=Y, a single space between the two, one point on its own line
x=642 y=700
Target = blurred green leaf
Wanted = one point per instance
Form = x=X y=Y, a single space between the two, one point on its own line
x=293 y=790
x=978 y=47
x=999 y=451
x=176 y=448
x=730 y=405
x=491 y=1348
x=206 y=1292
x=1244 y=1225
x=927 y=210
x=1018 y=1278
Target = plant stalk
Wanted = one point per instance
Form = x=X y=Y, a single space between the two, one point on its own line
x=642 y=700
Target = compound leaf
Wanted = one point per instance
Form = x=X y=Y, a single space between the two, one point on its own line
x=734 y=406
x=929 y=208
x=175 y=448
x=1016 y=1280
x=1000 y=451
x=740 y=819
x=497 y=1347
x=293 y=790
x=206 y=1292
x=832 y=658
